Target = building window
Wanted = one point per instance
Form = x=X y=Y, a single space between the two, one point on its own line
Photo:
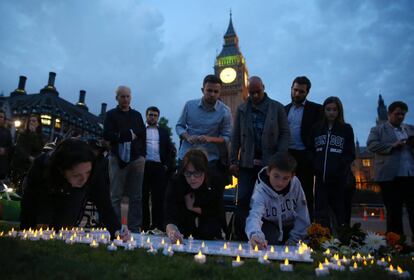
x=366 y=162
x=46 y=119
x=57 y=123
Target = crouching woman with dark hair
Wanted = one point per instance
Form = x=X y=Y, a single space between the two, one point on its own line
x=194 y=195
x=59 y=185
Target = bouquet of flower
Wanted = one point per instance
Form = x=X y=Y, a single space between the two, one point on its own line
x=317 y=235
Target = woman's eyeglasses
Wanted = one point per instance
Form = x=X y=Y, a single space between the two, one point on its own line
x=195 y=174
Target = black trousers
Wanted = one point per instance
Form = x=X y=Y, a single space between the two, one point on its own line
x=304 y=172
x=154 y=187
x=247 y=181
x=394 y=194
x=330 y=195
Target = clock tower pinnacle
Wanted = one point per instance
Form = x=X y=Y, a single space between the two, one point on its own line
x=231 y=67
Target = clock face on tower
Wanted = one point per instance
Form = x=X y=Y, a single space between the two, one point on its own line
x=228 y=75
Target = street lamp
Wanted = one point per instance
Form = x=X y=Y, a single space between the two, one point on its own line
x=17 y=123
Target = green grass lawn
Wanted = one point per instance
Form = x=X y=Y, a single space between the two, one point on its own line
x=57 y=260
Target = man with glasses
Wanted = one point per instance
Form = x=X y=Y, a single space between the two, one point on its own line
x=158 y=164
x=302 y=115
x=206 y=123
x=260 y=131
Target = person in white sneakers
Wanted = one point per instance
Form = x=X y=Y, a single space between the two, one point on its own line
x=278 y=211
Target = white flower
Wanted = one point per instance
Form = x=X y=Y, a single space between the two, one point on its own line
x=374 y=241
x=333 y=243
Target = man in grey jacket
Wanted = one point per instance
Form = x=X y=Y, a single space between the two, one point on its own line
x=392 y=143
x=260 y=131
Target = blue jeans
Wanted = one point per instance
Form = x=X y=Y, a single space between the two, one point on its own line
x=127 y=180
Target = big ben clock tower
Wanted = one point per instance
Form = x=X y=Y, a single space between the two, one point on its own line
x=231 y=67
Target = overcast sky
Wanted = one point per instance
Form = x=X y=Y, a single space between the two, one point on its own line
x=162 y=49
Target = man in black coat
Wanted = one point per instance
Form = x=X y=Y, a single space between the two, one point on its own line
x=159 y=164
x=302 y=115
x=124 y=128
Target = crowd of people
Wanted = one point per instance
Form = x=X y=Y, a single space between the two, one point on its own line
x=293 y=165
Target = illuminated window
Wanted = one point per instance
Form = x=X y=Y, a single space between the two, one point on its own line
x=46 y=119
x=366 y=162
x=57 y=123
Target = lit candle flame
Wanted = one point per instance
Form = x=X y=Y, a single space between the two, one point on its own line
x=328 y=251
x=355 y=265
x=286 y=249
x=163 y=241
x=326 y=261
x=399 y=269
x=178 y=242
x=286 y=261
x=225 y=246
x=238 y=258
x=256 y=248
x=391 y=267
x=240 y=247
x=272 y=249
x=203 y=245
x=365 y=263
x=338 y=263
x=320 y=266
x=265 y=257
x=382 y=259
x=199 y=254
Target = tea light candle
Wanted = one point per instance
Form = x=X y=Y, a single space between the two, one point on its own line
x=338 y=266
x=264 y=259
x=240 y=249
x=204 y=248
x=335 y=258
x=117 y=241
x=132 y=242
x=237 y=262
x=103 y=239
x=168 y=251
x=200 y=258
x=391 y=270
x=327 y=252
x=12 y=233
x=34 y=237
x=224 y=249
x=382 y=262
x=354 y=268
x=112 y=247
x=345 y=261
x=321 y=271
x=402 y=274
x=286 y=266
x=178 y=246
x=286 y=251
x=327 y=263
x=87 y=239
x=94 y=244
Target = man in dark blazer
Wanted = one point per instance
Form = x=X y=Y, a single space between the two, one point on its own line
x=302 y=115
x=159 y=164
x=392 y=142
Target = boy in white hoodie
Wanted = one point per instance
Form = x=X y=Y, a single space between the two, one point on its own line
x=278 y=212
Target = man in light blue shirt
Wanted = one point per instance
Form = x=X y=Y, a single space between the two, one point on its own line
x=206 y=124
